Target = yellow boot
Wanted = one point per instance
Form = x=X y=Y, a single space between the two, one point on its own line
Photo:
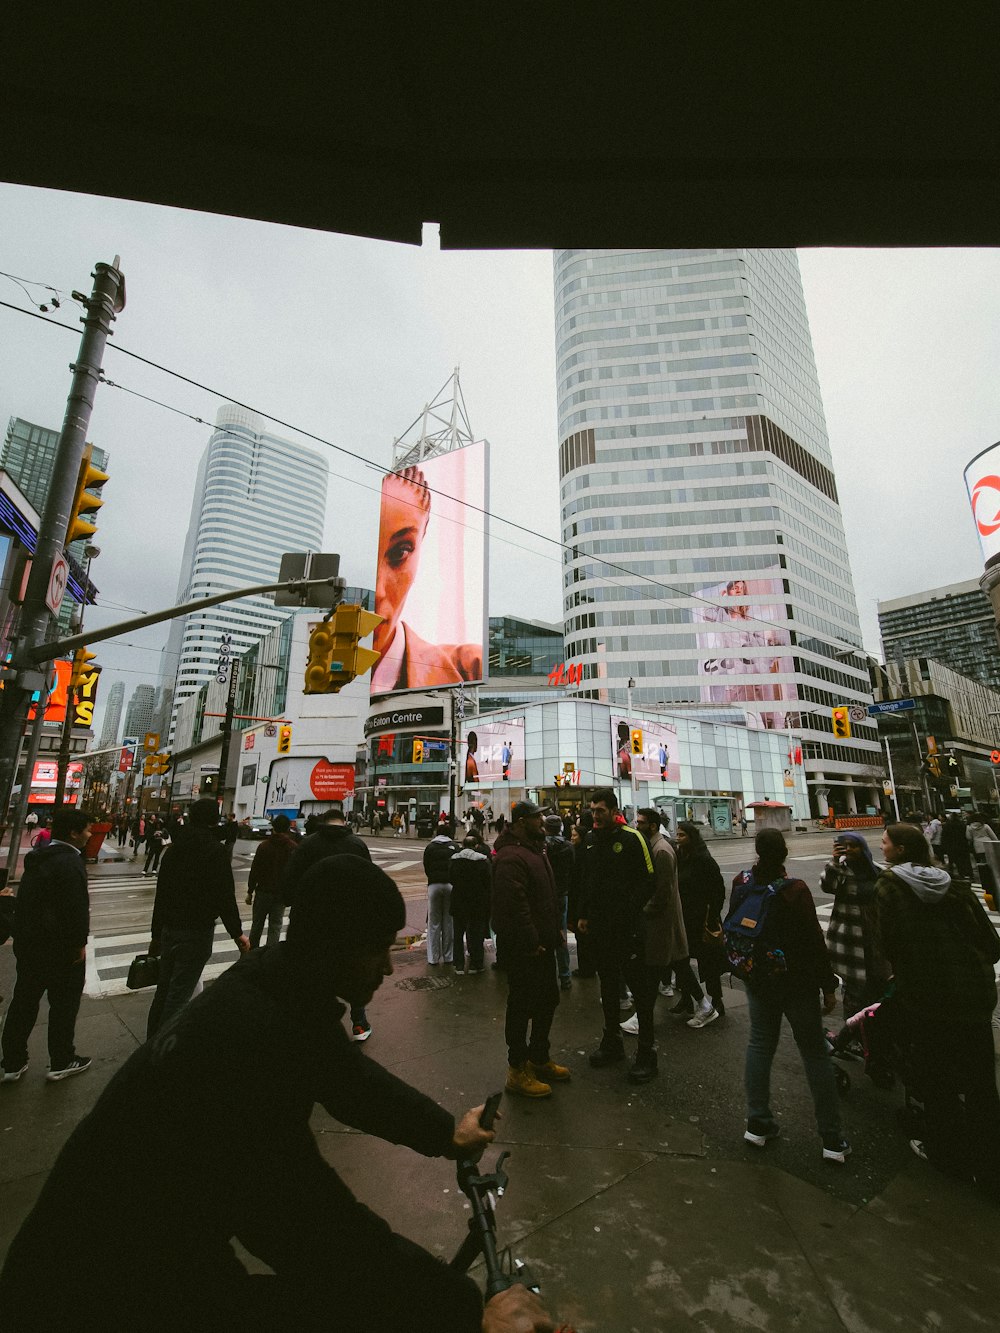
x=522 y=1082
x=550 y=1070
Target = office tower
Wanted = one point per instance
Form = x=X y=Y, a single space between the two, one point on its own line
x=139 y=713
x=256 y=497
x=954 y=625
x=707 y=563
x=110 y=731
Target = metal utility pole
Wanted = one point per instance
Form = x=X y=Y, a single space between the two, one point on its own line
x=105 y=301
x=227 y=727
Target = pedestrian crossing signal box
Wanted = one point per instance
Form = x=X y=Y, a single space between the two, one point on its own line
x=841 y=723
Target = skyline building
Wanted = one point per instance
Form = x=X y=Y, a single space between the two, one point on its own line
x=139 y=713
x=256 y=497
x=953 y=625
x=111 y=728
x=707 y=565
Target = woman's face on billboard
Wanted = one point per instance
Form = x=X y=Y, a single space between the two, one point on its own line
x=405 y=512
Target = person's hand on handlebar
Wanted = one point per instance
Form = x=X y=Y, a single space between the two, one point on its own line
x=470 y=1140
x=516 y=1310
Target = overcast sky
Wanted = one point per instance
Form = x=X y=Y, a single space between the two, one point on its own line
x=349 y=338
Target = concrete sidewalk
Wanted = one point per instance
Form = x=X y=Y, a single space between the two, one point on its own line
x=639 y=1209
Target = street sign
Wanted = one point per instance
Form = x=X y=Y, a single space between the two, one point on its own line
x=58 y=578
x=858 y=712
x=151 y=742
x=892 y=706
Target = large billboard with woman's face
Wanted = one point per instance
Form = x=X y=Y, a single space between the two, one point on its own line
x=738 y=650
x=430 y=586
x=492 y=752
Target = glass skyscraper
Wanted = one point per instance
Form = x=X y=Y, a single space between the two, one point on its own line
x=707 y=565
x=256 y=497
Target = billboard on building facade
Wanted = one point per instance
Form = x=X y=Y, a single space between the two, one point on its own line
x=293 y=782
x=492 y=751
x=643 y=750
x=430 y=586
x=982 y=481
x=734 y=644
x=44 y=777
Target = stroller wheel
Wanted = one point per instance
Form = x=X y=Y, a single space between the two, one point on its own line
x=843 y=1082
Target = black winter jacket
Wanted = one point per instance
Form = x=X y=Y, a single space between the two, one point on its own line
x=53 y=907
x=437 y=854
x=617 y=883
x=526 y=907
x=234 y=1084
x=562 y=861
x=471 y=877
x=328 y=840
x=195 y=886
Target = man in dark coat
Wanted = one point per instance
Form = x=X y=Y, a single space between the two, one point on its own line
x=332 y=837
x=193 y=890
x=136 y=1216
x=266 y=881
x=51 y=926
x=618 y=880
x=526 y=920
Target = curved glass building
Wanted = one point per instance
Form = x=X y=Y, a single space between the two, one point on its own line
x=707 y=565
x=256 y=497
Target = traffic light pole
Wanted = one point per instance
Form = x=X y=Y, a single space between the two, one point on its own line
x=227 y=727
x=105 y=301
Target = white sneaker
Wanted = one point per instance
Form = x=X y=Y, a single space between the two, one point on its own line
x=705 y=1013
x=631 y=1025
x=667 y=990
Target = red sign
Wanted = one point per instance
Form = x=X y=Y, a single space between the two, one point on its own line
x=125 y=760
x=566 y=673
x=43 y=781
x=249 y=740
x=331 y=782
x=55 y=708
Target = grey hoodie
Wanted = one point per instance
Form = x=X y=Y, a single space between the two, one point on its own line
x=929 y=883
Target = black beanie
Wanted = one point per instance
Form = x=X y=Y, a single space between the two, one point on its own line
x=345 y=904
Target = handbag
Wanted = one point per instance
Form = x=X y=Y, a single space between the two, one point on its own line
x=144 y=970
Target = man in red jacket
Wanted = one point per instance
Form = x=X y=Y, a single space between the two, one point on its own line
x=526 y=920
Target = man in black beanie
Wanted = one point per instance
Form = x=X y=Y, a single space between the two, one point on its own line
x=203 y=1135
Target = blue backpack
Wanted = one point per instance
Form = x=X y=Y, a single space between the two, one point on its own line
x=753 y=952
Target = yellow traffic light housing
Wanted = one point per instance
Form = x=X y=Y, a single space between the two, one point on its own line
x=418 y=750
x=636 y=741
x=149 y=764
x=841 y=723
x=84 y=502
x=284 y=739
x=335 y=655
x=80 y=668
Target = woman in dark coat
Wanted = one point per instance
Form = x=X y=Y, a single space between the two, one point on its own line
x=703 y=893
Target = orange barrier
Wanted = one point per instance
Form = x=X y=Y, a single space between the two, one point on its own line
x=859 y=821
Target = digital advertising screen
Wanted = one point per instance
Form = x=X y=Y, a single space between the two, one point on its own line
x=982 y=481
x=430 y=586
x=736 y=647
x=492 y=752
x=643 y=750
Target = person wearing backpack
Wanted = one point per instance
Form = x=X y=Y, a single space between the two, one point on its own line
x=776 y=947
x=943 y=948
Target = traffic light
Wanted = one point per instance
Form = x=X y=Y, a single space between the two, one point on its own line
x=952 y=767
x=150 y=764
x=418 y=750
x=335 y=655
x=84 y=502
x=637 y=741
x=317 y=676
x=80 y=668
x=284 y=739
x=841 y=722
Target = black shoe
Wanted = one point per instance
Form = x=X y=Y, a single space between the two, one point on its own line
x=565 y=983
x=835 y=1148
x=607 y=1055
x=78 y=1065
x=643 y=1067
x=684 y=1007
x=759 y=1132
x=718 y=1006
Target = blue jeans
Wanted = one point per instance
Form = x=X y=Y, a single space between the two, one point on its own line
x=183 y=955
x=802 y=1009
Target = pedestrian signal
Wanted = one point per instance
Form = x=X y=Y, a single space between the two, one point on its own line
x=841 y=722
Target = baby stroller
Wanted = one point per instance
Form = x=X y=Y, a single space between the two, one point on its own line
x=874 y=1037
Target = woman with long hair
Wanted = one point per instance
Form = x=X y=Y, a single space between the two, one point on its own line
x=703 y=892
x=943 y=948
x=800 y=970
x=851 y=937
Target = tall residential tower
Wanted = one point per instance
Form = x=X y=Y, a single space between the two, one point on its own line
x=256 y=497
x=707 y=565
